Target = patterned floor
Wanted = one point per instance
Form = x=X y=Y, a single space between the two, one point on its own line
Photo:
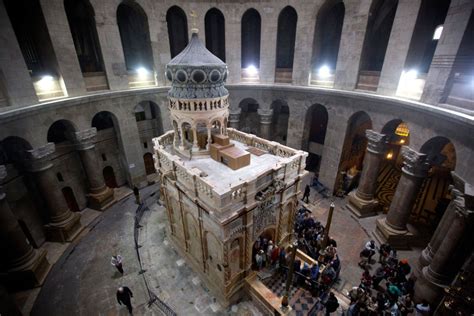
x=386 y=184
x=300 y=300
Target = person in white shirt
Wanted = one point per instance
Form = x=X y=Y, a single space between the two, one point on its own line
x=116 y=261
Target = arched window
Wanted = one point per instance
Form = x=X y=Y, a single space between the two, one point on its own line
x=285 y=44
x=177 y=30
x=251 y=24
x=327 y=37
x=215 y=32
x=134 y=33
x=80 y=16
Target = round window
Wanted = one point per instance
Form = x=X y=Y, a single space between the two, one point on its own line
x=198 y=76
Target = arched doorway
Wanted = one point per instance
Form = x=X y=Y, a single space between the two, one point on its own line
x=109 y=177
x=434 y=195
x=70 y=198
x=398 y=135
x=250 y=46
x=285 y=50
x=377 y=34
x=149 y=163
x=262 y=243
x=249 y=121
x=177 y=30
x=353 y=151
x=315 y=133
x=281 y=114
x=327 y=36
x=215 y=32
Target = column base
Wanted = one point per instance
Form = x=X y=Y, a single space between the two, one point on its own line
x=30 y=274
x=362 y=208
x=399 y=239
x=427 y=289
x=65 y=231
x=102 y=200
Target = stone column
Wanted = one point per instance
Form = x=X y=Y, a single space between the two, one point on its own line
x=234 y=118
x=304 y=43
x=63 y=46
x=352 y=41
x=441 y=230
x=361 y=201
x=17 y=81
x=63 y=225
x=393 y=228
x=441 y=69
x=453 y=250
x=268 y=42
x=265 y=123
x=398 y=45
x=26 y=267
x=233 y=42
x=195 y=140
x=100 y=196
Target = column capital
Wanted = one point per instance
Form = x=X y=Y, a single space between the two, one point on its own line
x=265 y=116
x=376 y=142
x=463 y=192
x=38 y=159
x=414 y=163
x=85 y=139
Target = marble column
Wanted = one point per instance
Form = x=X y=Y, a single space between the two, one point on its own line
x=234 y=118
x=265 y=123
x=393 y=228
x=361 y=201
x=443 y=226
x=63 y=225
x=100 y=196
x=26 y=267
x=452 y=252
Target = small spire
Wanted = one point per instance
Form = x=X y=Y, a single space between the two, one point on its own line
x=194 y=29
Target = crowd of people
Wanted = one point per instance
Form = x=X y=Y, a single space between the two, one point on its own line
x=395 y=297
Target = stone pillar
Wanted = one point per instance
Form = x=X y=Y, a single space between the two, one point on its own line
x=361 y=201
x=393 y=228
x=63 y=46
x=303 y=44
x=16 y=79
x=453 y=250
x=441 y=230
x=352 y=41
x=441 y=69
x=26 y=267
x=234 y=118
x=398 y=45
x=195 y=140
x=63 y=225
x=100 y=196
x=233 y=43
x=268 y=42
x=265 y=123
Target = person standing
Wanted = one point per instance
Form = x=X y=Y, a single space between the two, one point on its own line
x=307 y=191
x=124 y=294
x=259 y=259
x=116 y=261
x=136 y=192
x=331 y=304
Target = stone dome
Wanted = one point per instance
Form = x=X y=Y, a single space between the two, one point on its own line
x=196 y=73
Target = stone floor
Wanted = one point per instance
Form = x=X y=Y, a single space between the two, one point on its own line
x=83 y=282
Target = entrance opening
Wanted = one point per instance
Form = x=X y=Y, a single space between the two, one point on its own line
x=262 y=244
x=149 y=164
x=68 y=194
x=109 y=177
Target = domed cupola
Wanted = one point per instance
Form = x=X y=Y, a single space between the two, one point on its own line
x=198 y=99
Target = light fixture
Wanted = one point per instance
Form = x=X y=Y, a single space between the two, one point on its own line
x=46 y=82
x=251 y=70
x=437 y=32
x=324 y=71
x=142 y=71
x=411 y=74
x=389 y=155
x=402 y=141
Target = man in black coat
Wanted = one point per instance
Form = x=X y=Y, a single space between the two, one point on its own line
x=123 y=296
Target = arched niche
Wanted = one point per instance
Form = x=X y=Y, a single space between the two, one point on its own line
x=177 y=30
x=215 y=32
x=316 y=121
x=285 y=49
x=249 y=120
x=250 y=45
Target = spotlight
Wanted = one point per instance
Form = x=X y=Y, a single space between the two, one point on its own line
x=389 y=155
x=324 y=72
x=437 y=32
x=142 y=71
x=402 y=141
x=251 y=70
x=46 y=82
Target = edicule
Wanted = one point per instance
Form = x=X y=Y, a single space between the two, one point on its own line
x=222 y=188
